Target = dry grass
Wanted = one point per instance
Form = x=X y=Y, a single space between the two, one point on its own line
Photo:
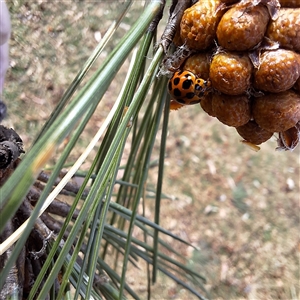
x=239 y=207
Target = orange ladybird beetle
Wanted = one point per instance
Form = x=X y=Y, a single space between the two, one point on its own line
x=187 y=88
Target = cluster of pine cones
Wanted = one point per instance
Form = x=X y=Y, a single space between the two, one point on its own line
x=249 y=52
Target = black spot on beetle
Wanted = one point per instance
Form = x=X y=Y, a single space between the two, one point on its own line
x=190 y=95
x=177 y=93
x=187 y=84
x=176 y=81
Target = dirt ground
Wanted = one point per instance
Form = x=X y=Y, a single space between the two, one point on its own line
x=239 y=208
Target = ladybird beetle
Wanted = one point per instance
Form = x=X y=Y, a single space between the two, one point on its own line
x=187 y=88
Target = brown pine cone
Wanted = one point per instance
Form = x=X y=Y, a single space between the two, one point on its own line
x=242 y=27
x=277 y=112
x=230 y=73
x=199 y=24
x=278 y=71
x=198 y=64
x=254 y=134
x=231 y=110
x=286 y=29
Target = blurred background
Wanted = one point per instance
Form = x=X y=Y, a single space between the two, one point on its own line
x=239 y=208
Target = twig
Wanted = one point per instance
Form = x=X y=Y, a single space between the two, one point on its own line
x=176 y=12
